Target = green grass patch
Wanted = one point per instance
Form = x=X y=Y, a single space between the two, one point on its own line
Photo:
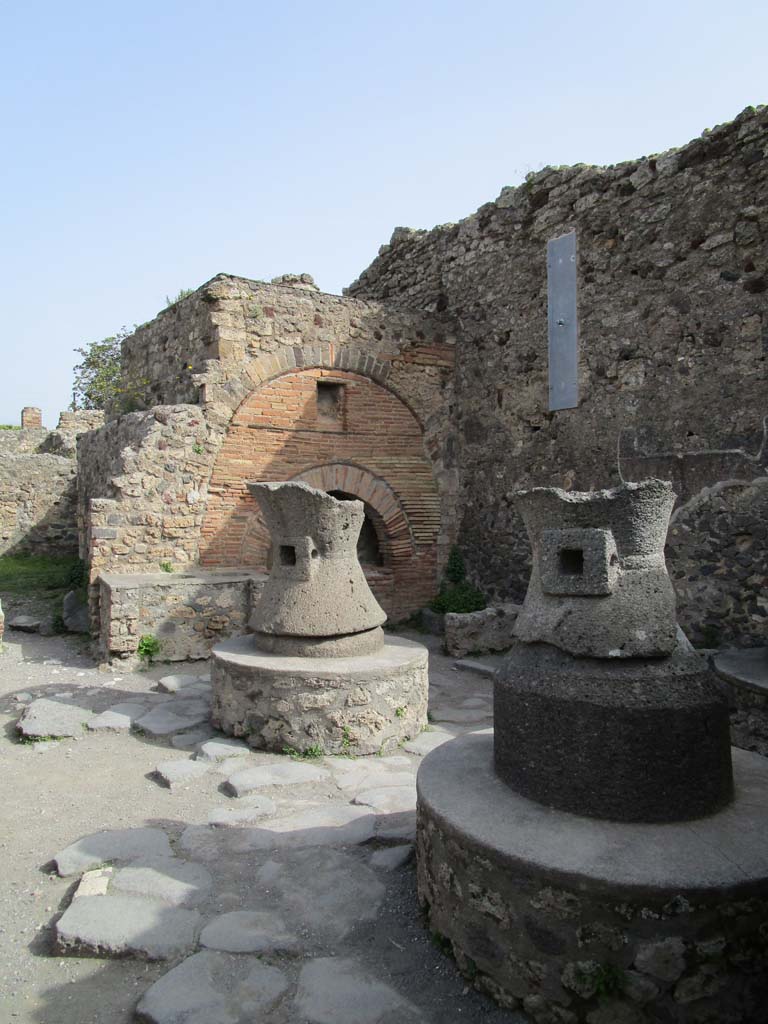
x=27 y=574
x=308 y=754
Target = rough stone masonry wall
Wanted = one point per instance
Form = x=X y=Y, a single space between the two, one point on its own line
x=187 y=612
x=240 y=338
x=37 y=505
x=142 y=486
x=673 y=289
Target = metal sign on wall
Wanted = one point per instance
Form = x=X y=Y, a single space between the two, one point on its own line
x=562 y=322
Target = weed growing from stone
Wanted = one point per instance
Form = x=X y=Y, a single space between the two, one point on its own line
x=166 y=567
x=400 y=712
x=148 y=648
x=608 y=980
x=198 y=449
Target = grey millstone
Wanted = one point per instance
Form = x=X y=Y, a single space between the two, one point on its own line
x=599 y=586
x=162 y=721
x=392 y=857
x=221 y=748
x=317 y=587
x=174 y=683
x=391 y=800
x=249 y=931
x=24 y=623
x=318 y=826
x=75 y=613
x=45 y=717
x=287 y=774
x=232 y=817
x=176 y=882
x=179 y=773
x=120 y=844
x=213 y=988
x=126 y=926
x=339 y=991
x=427 y=741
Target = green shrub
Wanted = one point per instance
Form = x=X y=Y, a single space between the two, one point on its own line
x=455 y=570
x=458 y=597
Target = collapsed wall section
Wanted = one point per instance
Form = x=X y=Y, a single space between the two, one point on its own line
x=673 y=287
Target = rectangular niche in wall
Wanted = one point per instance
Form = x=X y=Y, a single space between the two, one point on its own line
x=330 y=402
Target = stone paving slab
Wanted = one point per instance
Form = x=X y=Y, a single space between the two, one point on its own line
x=120 y=925
x=162 y=721
x=427 y=741
x=287 y=774
x=331 y=825
x=335 y=990
x=389 y=800
x=177 y=883
x=213 y=988
x=390 y=858
x=256 y=809
x=120 y=845
x=222 y=748
x=371 y=775
x=249 y=931
x=462 y=716
x=181 y=681
x=329 y=891
x=175 y=774
x=118 y=718
x=46 y=718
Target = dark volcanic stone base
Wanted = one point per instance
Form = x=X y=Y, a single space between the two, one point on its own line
x=573 y=919
x=642 y=739
x=360 y=705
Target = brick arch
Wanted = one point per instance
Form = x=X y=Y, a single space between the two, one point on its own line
x=374 y=450
x=374 y=492
x=265 y=367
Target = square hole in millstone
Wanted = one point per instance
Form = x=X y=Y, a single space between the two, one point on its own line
x=572 y=561
x=287 y=554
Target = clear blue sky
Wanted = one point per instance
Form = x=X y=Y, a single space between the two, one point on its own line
x=149 y=146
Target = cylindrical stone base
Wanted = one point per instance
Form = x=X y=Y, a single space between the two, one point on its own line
x=642 y=739
x=360 y=705
x=577 y=920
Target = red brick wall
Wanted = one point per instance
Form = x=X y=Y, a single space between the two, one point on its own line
x=374 y=450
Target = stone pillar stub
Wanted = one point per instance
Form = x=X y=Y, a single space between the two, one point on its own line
x=317 y=597
x=31 y=417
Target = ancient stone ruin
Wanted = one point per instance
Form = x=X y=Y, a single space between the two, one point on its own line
x=318 y=671
x=589 y=856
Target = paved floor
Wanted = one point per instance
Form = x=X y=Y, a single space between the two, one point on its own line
x=147 y=862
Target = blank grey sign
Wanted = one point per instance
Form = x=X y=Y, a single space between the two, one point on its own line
x=562 y=322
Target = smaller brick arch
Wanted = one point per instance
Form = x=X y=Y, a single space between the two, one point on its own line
x=374 y=492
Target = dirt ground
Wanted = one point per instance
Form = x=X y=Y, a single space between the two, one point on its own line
x=55 y=793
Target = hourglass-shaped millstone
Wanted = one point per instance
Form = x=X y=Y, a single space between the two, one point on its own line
x=317 y=600
x=602 y=708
